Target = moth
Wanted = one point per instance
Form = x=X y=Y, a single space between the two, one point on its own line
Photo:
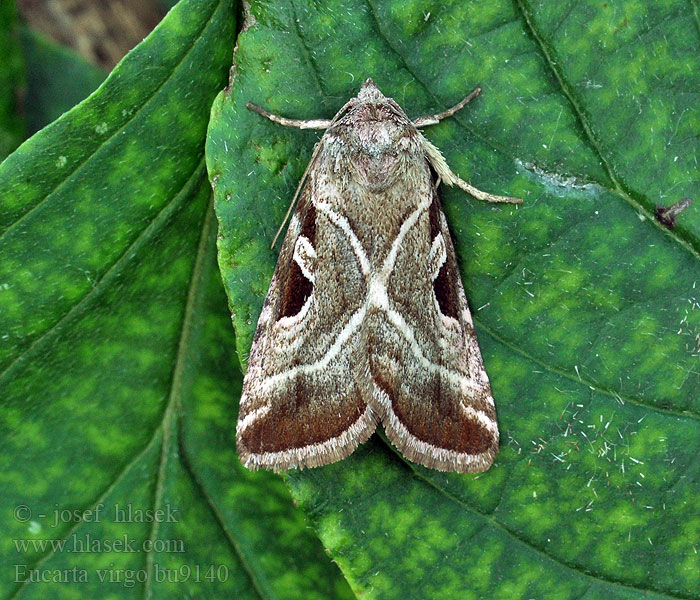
x=366 y=319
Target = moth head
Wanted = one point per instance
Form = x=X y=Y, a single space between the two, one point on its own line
x=373 y=123
x=375 y=136
x=370 y=92
x=371 y=105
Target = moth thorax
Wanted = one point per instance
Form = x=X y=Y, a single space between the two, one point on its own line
x=380 y=150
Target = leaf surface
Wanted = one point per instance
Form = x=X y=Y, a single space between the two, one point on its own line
x=57 y=79
x=585 y=306
x=12 y=76
x=117 y=374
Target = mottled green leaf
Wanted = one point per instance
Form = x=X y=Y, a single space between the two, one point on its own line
x=118 y=380
x=586 y=307
x=57 y=79
x=11 y=80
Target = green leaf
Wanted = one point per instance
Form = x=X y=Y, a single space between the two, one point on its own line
x=57 y=79
x=118 y=377
x=585 y=306
x=168 y=4
x=11 y=81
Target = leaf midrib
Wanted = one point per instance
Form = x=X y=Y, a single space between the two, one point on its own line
x=172 y=411
x=619 y=188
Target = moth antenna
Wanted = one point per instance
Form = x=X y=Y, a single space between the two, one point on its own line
x=298 y=123
x=485 y=196
x=327 y=125
x=435 y=119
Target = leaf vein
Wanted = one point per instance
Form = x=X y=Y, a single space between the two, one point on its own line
x=178 y=202
x=594 y=386
x=79 y=166
x=618 y=186
x=529 y=546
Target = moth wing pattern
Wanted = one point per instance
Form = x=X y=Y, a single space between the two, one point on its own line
x=430 y=386
x=366 y=317
x=301 y=403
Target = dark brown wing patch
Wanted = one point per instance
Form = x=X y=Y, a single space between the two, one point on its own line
x=297 y=424
x=444 y=284
x=296 y=287
x=445 y=425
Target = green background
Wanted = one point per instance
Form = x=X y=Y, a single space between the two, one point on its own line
x=118 y=379
x=585 y=307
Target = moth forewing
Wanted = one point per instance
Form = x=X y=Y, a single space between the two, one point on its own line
x=300 y=405
x=366 y=316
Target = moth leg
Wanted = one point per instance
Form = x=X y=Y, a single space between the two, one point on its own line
x=299 y=123
x=437 y=160
x=435 y=119
x=486 y=196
